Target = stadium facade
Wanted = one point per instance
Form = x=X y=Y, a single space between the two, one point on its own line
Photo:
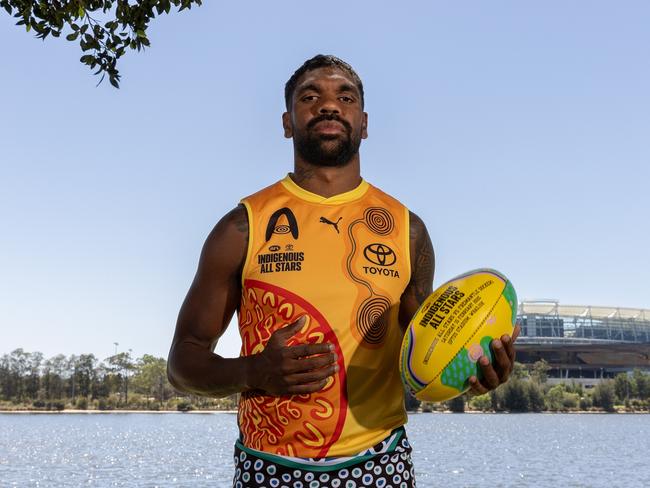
x=583 y=342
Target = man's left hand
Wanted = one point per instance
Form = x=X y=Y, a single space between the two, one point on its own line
x=503 y=351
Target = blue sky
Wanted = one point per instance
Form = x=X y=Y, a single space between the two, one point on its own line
x=519 y=132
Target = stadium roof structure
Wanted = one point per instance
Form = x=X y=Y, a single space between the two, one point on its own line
x=547 y=320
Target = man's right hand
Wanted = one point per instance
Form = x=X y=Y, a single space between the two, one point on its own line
x=290 y=370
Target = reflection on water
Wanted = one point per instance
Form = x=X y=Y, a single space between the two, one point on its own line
x=462 y=450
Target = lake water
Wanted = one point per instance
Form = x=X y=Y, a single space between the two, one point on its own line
x=450 y=450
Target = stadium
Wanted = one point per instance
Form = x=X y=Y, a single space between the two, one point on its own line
x=583 y=343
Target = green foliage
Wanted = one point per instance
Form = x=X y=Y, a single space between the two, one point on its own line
x=573 y=387
x=539 y=371
x=83 y=374
x=184 y=406
x=624 y=387
x=535 y=396
x=123 y=366
x=102 y=404
x=641 y=384
x=123 y=25
x=515 y=396
x=496 y=398
x=456 y=405
x=555 y=398
x=150 y=378
x=519 y=371
x=570 y=400
x=604 y=395
x=481 y=402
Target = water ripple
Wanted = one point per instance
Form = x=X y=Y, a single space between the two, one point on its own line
x=470 y=450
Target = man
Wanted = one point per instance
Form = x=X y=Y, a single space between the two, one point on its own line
x=326 y=272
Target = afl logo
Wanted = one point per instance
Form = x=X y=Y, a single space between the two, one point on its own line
x=380 y=254
x=288 y=225
x=274 y=248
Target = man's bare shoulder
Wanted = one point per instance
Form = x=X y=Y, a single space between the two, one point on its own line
x=228 y=240
x=237 y=218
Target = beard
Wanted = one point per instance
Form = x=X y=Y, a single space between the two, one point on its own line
x=325 y=149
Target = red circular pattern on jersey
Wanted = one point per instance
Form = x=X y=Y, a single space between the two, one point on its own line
x=298 y=425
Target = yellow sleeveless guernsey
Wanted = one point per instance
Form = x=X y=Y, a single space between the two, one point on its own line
x=344 y=262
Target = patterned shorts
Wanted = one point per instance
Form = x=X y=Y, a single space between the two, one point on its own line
x=388 y=464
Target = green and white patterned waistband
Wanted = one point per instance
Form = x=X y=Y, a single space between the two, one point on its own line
x=389 y=444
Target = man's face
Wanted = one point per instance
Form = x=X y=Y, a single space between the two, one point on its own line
x=326 y=120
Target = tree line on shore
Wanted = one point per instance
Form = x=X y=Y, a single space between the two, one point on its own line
x=528 y=390
x=28 y=381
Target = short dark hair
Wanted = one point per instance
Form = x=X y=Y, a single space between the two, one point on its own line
x=321 y=61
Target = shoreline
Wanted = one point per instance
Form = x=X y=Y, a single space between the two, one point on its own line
x=234 y=412
x=92 y=412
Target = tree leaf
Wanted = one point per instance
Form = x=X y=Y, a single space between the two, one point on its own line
x=107 y=45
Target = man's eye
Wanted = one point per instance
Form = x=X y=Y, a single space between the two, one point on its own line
x=347 y=99
x=308 y=98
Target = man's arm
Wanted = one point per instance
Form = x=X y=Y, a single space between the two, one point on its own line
x=420 y=287
x=423 y=263
x=209 y=305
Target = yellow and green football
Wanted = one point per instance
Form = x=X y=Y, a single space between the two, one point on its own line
x=452 y=330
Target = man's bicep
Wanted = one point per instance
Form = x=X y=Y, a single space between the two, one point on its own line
x=215 y=292
x=422 y=269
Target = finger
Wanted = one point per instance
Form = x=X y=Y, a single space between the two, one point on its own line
x=306 y=388
x=304 y=350
x=508 y=344
x=314 y=376
x=501 y=363
x=490 y=379
x=475 y=387
x=285 y=333
x=309 y=364
x=515 y=332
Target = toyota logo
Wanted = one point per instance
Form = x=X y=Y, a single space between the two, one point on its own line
x=380 y=254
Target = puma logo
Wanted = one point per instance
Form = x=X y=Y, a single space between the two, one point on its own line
x=323 y=220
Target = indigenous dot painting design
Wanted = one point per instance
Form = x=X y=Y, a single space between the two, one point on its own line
x=371 y=322
x=309 y=423
x=379 y=220
x=457 y=373
x=392 y=469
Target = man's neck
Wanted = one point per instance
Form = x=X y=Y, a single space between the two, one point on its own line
x=327 y=181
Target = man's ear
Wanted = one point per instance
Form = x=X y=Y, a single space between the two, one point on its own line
x=286 y=125
x=364 y=126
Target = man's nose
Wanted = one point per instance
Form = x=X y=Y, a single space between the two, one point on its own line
x=328 y=106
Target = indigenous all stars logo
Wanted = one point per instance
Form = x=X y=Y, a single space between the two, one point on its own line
x=282 y=221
